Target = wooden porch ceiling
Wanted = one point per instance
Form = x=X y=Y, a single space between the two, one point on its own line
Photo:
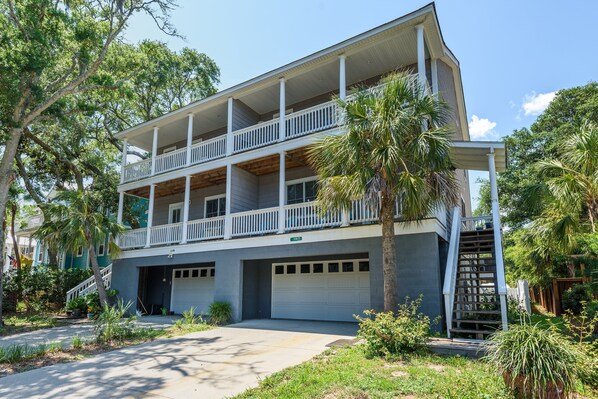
x=213 y=177
x=270 y=164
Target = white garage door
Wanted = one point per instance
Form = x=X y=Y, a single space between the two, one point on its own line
x=192 y=287
x=320 y=290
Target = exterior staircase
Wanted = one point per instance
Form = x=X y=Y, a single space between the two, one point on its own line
x=88 y=286
x=474 y=289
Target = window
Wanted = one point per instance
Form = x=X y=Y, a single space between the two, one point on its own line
x=302 y=191
x=291 y=269
x=185 y=273
x=212 y=272
x=318 y=268
x=195 y=273
x=333 y=267
x=347 y=267
x=305 y=268
x=40 y=254
x=101 y=248
x=203 y=273
x=364 y=266
x=215 y=206
x=175 y=212
x=79 y=251
x=279 y=269
x=177 y=274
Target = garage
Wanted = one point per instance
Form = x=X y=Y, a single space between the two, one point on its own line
x=192 y=287
x=332 y=290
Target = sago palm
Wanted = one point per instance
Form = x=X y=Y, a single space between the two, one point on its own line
x=76 y=218
x=396 y=147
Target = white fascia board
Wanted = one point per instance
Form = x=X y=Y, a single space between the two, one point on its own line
x=275 y=74
x=431 y=225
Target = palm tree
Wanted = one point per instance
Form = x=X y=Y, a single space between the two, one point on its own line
x=396 y=148
x=75 y=218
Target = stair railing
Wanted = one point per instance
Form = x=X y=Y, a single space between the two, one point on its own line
x=89 y=285
x=450 y=274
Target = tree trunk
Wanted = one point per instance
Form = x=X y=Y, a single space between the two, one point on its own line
x=13 y=215
x=96 y=272
x=389 y=254
x=6 y=178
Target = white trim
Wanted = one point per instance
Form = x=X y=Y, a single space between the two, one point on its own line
x=276 y=115
x=79 y=252
x=211 y=198
x=171 y=207
x=297 y=181
x=169 y=149
x=103 y=251
x=196 y=141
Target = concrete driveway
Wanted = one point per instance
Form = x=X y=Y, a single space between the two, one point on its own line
x=210 y=364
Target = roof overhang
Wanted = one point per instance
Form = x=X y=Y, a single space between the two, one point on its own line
x=473 y=155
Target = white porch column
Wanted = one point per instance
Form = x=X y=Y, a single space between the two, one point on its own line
x=228 y=219
x=121 y=201
x=150 y=215
x=124 y=161
x=189 y=137
x=281 y=121
x=434 y=70
x=230 y=140
x=500 y=268
x=281 y=194
x=186 y=207
x=342 y=79
x=154 y=149
x=421 y=56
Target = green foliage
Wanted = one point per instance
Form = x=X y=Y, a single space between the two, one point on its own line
x=220 y=312
x=18 y=352
x=190 y=317
x=79 y=303
x=77 y=342
x=92 y=300
x=535 y=357
x=575 y=297
x=111 y=325
x=391 y=334
x=587 y=365
x=582 y=325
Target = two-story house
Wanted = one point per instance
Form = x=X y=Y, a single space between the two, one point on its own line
x=230 y=195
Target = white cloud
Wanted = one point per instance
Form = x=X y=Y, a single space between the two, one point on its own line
x=534 y=104
x=481 y=128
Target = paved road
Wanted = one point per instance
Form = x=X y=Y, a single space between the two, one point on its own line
x=82 y=328
x=209 y=364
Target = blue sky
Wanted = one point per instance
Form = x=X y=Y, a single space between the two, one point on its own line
x=514 y=54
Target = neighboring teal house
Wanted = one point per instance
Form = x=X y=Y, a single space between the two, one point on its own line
x=77 y=260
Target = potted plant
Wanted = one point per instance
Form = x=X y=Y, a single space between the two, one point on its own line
x=164 y=311
x=535 y=362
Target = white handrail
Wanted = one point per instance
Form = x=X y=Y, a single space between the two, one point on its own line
x=138 y=170
x=450 y=273
x=255 y=222
x=171 y=160
x=133 y=238
x=89 y=285
x=207 y=150
x=166 y=234
x=256 y=136
x=311 y=120
x=306 y=216
x=205 y=229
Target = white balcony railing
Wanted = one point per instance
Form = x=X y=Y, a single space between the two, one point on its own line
x=306 y=216
x=208 y=150
x=256 y=136
x=171 y=160
x=166 y=234
x=133 y=239
x=361 y=212
x=205 y=229
x=138 y=170
x=311 y=120
x=258 y=222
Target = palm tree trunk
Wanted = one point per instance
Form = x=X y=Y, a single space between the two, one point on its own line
x=96 y=272
x=15 y=244
x=389 y=253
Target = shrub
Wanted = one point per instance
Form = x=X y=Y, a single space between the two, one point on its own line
x=77 y=342
x=388 y=334
x=189 y=316
x=534 y=361
x=93 y=300
x=77 y=303
x=220 y=312
x=574 y=297
x=111 y=326
x=587 y=365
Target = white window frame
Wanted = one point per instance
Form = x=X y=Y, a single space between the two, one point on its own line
x=297 y=181
x=40 y=254
x=79 y=252
x=171 y=207
x=103 y=249
x=169 y=149
x=210 y=198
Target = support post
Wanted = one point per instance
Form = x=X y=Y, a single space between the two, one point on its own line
x=434 y=70
x=186 y=208
x=123 y=161
x=230 y=140
x=500 y=267
x=189 y=137
x=154 y=149
x=121 y=201
x=281 y=194
x=150 y=215
x=281 y=120
x=228 y=220
x=421 y=56
x=342 y=84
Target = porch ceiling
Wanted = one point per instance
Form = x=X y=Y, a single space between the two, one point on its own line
x=209 y=178
x=270 y=164
x=473 y=155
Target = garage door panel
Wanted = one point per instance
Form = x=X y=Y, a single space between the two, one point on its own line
x=190 y=291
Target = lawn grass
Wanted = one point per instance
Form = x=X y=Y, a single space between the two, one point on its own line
x=17 y=324
x=347 y=373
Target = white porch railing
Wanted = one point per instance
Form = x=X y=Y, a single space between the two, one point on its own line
x=208 y=150
x=205 y=229
x=138 y=170
x=258 y=222
x=89 y=285
x=256 y=136
x=361 y=212
x=450 y=273
x=133 y=239
x=311 y=120
x=307 y=216
x=476 y=223
x=166 y=234
x=171 y=160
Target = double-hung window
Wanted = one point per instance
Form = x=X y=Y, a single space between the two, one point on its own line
x=215 y=206
x=304 y=190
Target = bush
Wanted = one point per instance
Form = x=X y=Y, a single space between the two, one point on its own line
x=220 y=312
x=574 y=297
x=587 y=366
x=77 y=342
x=77 y=303
x=111 y=326
x=189 y=316
x=534 y=361
x=388 y=334
x=93 y=300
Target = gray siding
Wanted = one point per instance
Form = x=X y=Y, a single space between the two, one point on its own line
x=243 y=115
x=446 y=87
x=196 y=204
x=244 y=190
x=268 y=185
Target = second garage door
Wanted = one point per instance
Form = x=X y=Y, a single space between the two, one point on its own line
x=320 y=290
x=192 y=287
